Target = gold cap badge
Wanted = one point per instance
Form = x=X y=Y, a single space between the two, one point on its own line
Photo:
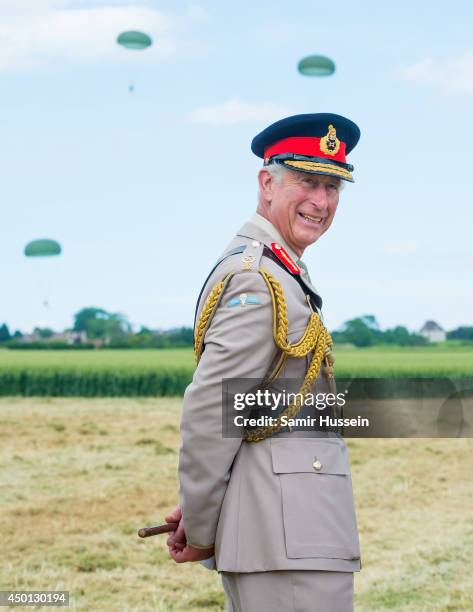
x=330 y=144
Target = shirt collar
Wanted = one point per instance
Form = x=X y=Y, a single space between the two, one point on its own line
x=269 y=228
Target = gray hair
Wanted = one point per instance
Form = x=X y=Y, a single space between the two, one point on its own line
x=277 y=171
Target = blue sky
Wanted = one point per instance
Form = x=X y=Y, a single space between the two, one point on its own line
x=145 y=189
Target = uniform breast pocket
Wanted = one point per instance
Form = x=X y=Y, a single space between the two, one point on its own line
x=317 y=498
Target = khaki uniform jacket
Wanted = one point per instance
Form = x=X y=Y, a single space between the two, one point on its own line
x=262 y=504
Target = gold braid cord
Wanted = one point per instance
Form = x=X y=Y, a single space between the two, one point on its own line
x=315 y=339
x=206 y=315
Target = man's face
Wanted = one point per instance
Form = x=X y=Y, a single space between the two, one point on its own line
x=301 y=206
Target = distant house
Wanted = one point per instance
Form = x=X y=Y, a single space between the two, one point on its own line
x=27 y=338
x=433 y=332
x=68 y=337
x=71 y=337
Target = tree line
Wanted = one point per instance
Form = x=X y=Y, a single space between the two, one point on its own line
x=95 y=327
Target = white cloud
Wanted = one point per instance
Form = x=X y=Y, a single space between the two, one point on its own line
x=452 y=75
x=18 y=7
x=40 y=33
x=236 y=111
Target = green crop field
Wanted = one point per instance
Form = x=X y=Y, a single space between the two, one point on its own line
x=131 y=373
x=452 y=360
x=437 y=360
x=143 y=359
x=81 y=475
x=100 y=373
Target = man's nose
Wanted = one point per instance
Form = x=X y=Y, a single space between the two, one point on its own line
x=319 y=197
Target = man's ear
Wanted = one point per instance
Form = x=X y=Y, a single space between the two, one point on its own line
x=266 y=184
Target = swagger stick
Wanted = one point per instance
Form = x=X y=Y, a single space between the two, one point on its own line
x=146 y=532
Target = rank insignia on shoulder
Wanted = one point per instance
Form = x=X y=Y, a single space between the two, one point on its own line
x=243 y=299
x=282 y=255
x=247 y=262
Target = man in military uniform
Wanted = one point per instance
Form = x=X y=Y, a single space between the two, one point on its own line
x=273 y=508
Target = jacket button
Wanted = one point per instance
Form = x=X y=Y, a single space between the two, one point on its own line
x=317 y=465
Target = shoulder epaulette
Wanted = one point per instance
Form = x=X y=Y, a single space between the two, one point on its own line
x=250 y=260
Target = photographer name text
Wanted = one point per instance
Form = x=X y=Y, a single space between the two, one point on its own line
x=285 y=421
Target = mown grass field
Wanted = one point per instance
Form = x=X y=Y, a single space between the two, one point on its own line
x=79 y=476
x=438 y=360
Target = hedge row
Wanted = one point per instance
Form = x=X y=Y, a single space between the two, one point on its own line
x=76 y=383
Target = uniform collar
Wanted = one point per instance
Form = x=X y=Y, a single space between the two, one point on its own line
x=259 y=228
x=271 y=234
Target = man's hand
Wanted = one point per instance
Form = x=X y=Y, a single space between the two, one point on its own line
x=177 y=539
x=189 y=553
x=177 y=545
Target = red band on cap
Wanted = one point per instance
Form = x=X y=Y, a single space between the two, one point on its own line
x=303 y=145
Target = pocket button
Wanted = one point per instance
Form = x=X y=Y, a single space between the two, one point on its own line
x=317 y=465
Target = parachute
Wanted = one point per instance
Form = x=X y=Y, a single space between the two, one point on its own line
x=135 y=40
x=316 y=65
x=42 y=248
